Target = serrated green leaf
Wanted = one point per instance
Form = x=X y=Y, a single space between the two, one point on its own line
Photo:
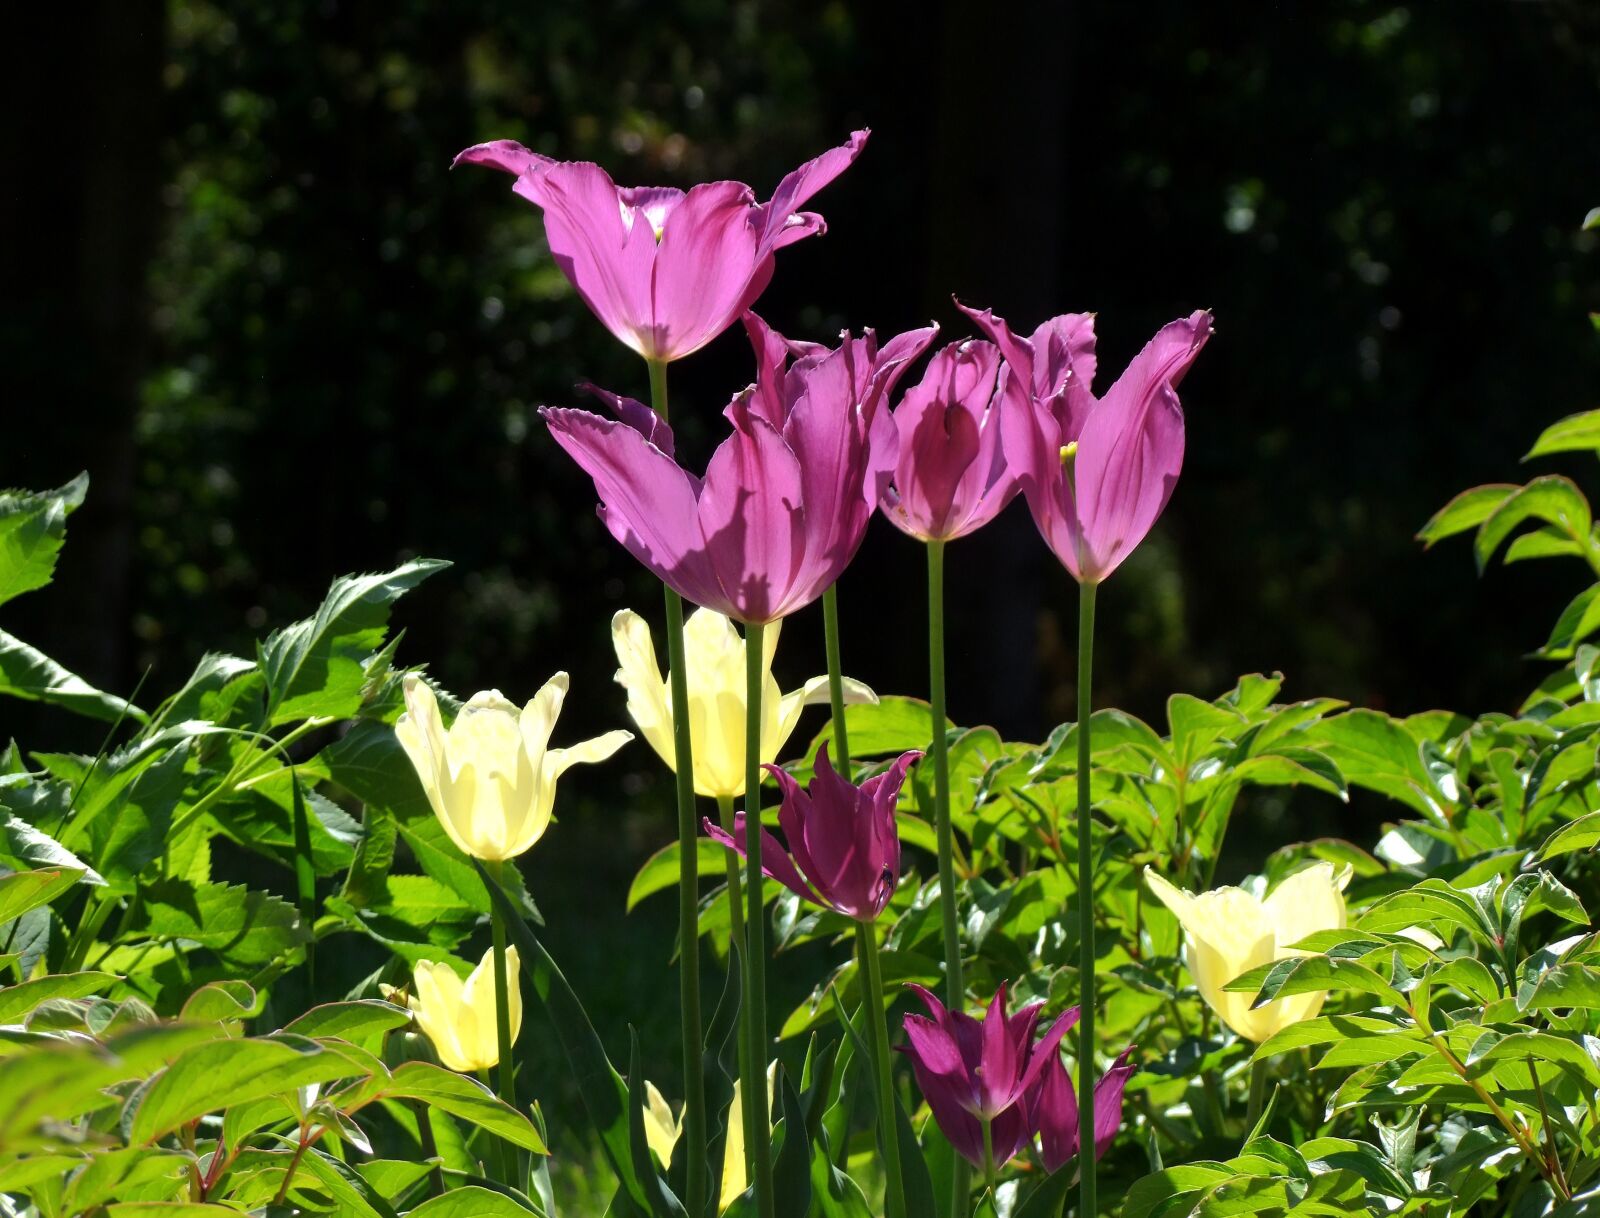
x=240 y=924
x=32 y=526
x=317 y=667
x=27 y=673
x=25 y=890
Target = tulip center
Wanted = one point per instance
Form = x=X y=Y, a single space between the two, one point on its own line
x=1069 y=453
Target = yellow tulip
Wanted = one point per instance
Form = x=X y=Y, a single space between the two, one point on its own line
x=714 y=657
x=1228 y=932
x=492 y=777
x=661 y=1133
x=459 y=1016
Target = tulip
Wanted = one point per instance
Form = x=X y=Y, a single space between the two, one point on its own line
x=715 y=664
x=459 y=1016
x=844 y=848
x=662 y=1131
x=785 y=500
x=977 y=1071
x=1053 y=1111
x=1096 y=472
x=1229 y=931
x=951 y=475
x=491 y=779
x=664 y=270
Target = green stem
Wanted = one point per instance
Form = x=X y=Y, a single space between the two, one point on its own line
x=894 y=1193
x=1258 y=1092
x=507 y=1089
x=694 y=1100
x=830 y=630
x=1086 y=953
x=736 y=937
x=955 y=988
x=305 y=877
x=988 y=1156
x=429 y=1148
x=755 y=1094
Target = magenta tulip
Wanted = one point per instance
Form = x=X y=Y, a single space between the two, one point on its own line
x=1096 y=472
x=786 y=498
x=975 y=1070
x=664 y=270
x=844 y=848
x=951 y=475
x=1053 y=1111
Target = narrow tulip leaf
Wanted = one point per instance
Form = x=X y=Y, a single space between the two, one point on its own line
x=1047 y=1200
x=32 y=527
x=663 y=1202
x=835 y=1194
x=1575 y=433
x=27 y=673
x=605 y=1094
x=791 y=1170
x=1466 y=511
x=27 y=890
x=318 y=667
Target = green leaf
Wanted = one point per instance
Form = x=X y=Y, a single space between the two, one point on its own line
x=25 y=890
x=1373 y=751
x=354 y=1021
x=23 y=846
x=32 y=526
x=661 y=869
x=219 y=1002
x=27 y=673
x=167 y=1209
x=17 y=1001
x=1466 y=511
x=1550 y=498
x=317 y=667
x=1565 y=1049
x=224 y=1073
x=463 y=1097
x=1575 y=433
x=1197 y=725
x=193 y=700
x=1309 y=974
x=1581 y=834
x=1578 y=621
x=1152 y=1193
x=240 y=924
x=350 y=1191
x=469 y=1201
x=1563 y=987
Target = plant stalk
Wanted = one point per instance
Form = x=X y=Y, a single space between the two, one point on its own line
x=954 y=986
x=755 y=1095
x=894 y=1189
x=507 y=1088
x=736 y=938
x=694 y=1100
x=305 y=876
x=830 y=631
x=1086 y=952
x=1258 y=1093
x=988 y=1157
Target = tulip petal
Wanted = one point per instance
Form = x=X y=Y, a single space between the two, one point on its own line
x=1108 y=1102
x=775 y=861
x=1307 y=901
x=640 y=675
x=703 y=268
x=587 y=752
x=1054 y=1111
x=507 y=156
x=780 y=225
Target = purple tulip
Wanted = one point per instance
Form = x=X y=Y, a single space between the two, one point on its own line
x=951 y=476
x=1096 y=472
x=786 y=498
x=1053 y=1110
x=844 y=848
x=975 y=1070
x=664 y=270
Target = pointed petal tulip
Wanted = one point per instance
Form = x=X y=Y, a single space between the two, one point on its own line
x=459 y=1017
x=491 y=779
x=714 y=661
x=1229 y=931
x=664 y=270
x=1053 y=1110
x=951 y=476
x=786 y=497
x=1097 y=472
x=661 y=1129
x=844 y=847
x=971 y=1070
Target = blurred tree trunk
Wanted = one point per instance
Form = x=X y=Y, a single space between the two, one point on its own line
x=999 y=220
x=82 y=143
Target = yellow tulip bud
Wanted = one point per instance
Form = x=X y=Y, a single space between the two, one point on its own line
x=459 y=1016
x=1228 y=932
x=492 y=777
x=661 y=1133
x=714 y=658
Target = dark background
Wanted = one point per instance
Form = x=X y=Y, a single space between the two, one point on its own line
x=242 y=288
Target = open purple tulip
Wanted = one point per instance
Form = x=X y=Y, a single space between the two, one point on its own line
x=972 y=1070
x=786 y=498
x=1096 y=472
x=1053 y=1111
x=951 y=475
x=844 y=848
x=665 y=270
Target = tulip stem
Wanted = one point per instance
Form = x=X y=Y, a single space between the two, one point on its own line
x=502 y=1015
x=1258 y=1093
x=830 y=631
x=755 y=1093
x=1086 y=952
x=955 y=988
x=894 y=1189
x=736 y=938
x=988 y=1156
x=694 y=1087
